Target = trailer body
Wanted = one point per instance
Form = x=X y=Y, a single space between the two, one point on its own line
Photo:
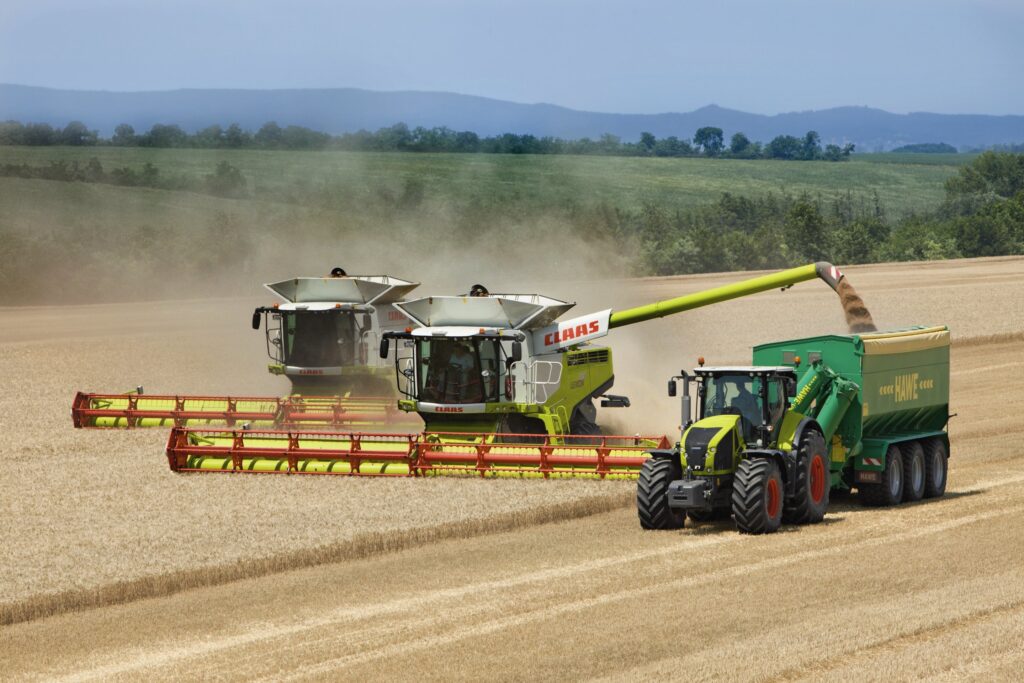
x=902 y=395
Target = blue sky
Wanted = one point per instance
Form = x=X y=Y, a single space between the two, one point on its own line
x=765 y=56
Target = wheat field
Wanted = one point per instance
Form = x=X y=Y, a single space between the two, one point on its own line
x=335 y=577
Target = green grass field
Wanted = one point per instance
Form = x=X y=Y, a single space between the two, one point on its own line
x=511 y=217
x=904 y=183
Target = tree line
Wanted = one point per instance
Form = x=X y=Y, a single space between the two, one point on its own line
x=708 y=141
x=982 y=215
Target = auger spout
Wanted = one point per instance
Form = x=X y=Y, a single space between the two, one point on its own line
x=826 y=271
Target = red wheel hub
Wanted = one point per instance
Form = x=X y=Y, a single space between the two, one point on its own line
x=818 y=478
x=772 y=499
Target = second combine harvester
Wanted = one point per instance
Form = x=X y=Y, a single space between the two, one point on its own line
x=503 y=386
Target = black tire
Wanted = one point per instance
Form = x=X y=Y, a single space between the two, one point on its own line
x=813 y=483
x=581 y=427
x=913 y=471
x=889 y=491
x=652 y=495
x=757 y=494
x=936 y=467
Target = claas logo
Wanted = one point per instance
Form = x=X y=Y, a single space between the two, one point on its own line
x=581 y=330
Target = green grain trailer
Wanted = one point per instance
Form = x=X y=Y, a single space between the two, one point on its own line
x=769 y=441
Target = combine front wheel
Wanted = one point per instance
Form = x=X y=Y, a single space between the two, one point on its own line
x=757 y=493
x=652 y=495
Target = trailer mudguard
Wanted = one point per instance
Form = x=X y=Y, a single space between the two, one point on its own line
x=872 y=456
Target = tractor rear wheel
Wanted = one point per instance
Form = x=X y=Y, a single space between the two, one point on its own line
x=652 y=494
x=913 y=472
x=889 y=491
x=813 y=482
x=757 y=494
x=936 y=462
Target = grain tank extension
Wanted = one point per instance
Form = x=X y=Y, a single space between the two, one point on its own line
x=769 y=441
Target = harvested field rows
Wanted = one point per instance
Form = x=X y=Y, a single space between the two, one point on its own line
x=99 y=518
x=934 y=589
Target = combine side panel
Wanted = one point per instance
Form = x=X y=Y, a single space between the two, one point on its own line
x=427 y=454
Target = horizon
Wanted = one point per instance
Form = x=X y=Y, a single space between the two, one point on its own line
x=937 y=56
x=710 y=105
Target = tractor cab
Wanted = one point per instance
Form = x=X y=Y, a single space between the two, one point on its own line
x=738 y=407
x=758 y=395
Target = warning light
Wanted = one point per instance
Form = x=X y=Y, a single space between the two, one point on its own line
x=700 y=361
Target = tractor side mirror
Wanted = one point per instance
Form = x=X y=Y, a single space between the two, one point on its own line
x=367 y=323
x=256 y=315
x=517 y=351
x=671 y=387
x=384 y=344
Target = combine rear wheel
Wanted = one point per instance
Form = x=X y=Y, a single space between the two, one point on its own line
x=890 y=490
x=936 y=461
x=757 y=493
x=913 y=472
x=652 y=495
x=813 y=482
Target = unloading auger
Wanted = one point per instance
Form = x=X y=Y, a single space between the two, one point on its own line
x=322 y=336
x=505 y=389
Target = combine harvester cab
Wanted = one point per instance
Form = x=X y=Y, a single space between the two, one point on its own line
x=768 y=442
x=503 y=386
x=323 y=337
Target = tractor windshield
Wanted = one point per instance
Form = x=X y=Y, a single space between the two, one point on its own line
x=459 y=370
x=741 y=394
x=320 y=339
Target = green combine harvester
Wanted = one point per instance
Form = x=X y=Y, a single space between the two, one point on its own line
x=503 y=386
x=770 y=441
x=322 y=336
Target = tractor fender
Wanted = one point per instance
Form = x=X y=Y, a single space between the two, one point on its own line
x=805 y=425
x=665 y=454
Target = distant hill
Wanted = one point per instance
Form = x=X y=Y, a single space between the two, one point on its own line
x=343 y=110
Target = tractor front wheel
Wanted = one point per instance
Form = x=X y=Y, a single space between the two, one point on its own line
x=813 y=482
x=757 y=494
x=652 y=495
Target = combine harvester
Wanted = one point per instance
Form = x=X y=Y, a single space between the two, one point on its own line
x=503 y=387
x=771 y=440
x=323 y=338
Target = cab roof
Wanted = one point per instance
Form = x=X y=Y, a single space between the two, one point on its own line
x=745 y=369
x=352 y=289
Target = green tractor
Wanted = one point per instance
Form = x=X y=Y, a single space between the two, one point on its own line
x=770 y=441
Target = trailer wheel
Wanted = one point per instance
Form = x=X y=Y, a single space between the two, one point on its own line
x=889 y=491
x=936 y=463
x=652 y=495
x=913 y=472
x=813 y=482
x=757 y=494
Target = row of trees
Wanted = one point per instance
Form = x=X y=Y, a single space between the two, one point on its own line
x=982 y=215
x=707 y=141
